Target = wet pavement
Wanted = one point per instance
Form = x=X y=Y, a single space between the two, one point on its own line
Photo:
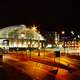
x=8 y=72
x=23 y=67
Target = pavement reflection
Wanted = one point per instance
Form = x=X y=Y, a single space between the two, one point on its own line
x=38 y=71
x=44 y=67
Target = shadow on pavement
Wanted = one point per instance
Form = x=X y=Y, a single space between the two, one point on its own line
x=8 y=72
x=50 y=77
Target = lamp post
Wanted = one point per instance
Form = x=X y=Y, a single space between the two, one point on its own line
x=72 y=40
x=63 y=32
x=38 y=48
x=78 y=36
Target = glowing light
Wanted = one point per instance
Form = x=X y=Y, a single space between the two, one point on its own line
x=22 y=35
x=19 y=45
x=78 y=36
x=60 y=45
x=14 y=44
x=49 y=45
x=63 y=32
x=23 y=25
x=74 y=38
x=56 y=39
x=34 y=28
x=72 y=32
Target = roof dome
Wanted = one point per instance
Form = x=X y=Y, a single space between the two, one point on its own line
x=20 y=31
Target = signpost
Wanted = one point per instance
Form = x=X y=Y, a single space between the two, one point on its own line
x=57 y=55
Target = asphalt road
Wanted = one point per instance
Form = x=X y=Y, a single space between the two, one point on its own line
x=27 y=71
x=16 y=69
x=8 y=72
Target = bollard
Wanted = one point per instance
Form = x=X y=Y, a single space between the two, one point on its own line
x=57 y=53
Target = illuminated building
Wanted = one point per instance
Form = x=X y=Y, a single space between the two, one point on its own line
x=52 y=38
x=21 y=36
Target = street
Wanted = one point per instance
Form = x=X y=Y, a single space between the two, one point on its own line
x=40 y=68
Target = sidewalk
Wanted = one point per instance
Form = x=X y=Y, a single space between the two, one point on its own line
x=49 y=59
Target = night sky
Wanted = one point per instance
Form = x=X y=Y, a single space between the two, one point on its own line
x=49 y=15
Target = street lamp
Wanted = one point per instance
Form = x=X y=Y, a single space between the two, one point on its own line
x=78 y=36
x=63 y=32
x=72 y=32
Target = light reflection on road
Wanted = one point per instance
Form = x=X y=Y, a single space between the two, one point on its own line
x=37 y=70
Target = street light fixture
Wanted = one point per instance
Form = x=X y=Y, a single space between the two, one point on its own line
x=63 y=32
x=73 y=39
x=72 y=32
x=78 y=36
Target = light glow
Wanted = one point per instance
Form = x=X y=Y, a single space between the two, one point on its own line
x=49 y=45
x=63 y=32
x=72 y=32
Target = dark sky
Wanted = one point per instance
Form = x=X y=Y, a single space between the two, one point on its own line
x=48 y=14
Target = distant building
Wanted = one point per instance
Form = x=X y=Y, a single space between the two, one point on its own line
x=21 y=36
x=51 y=37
